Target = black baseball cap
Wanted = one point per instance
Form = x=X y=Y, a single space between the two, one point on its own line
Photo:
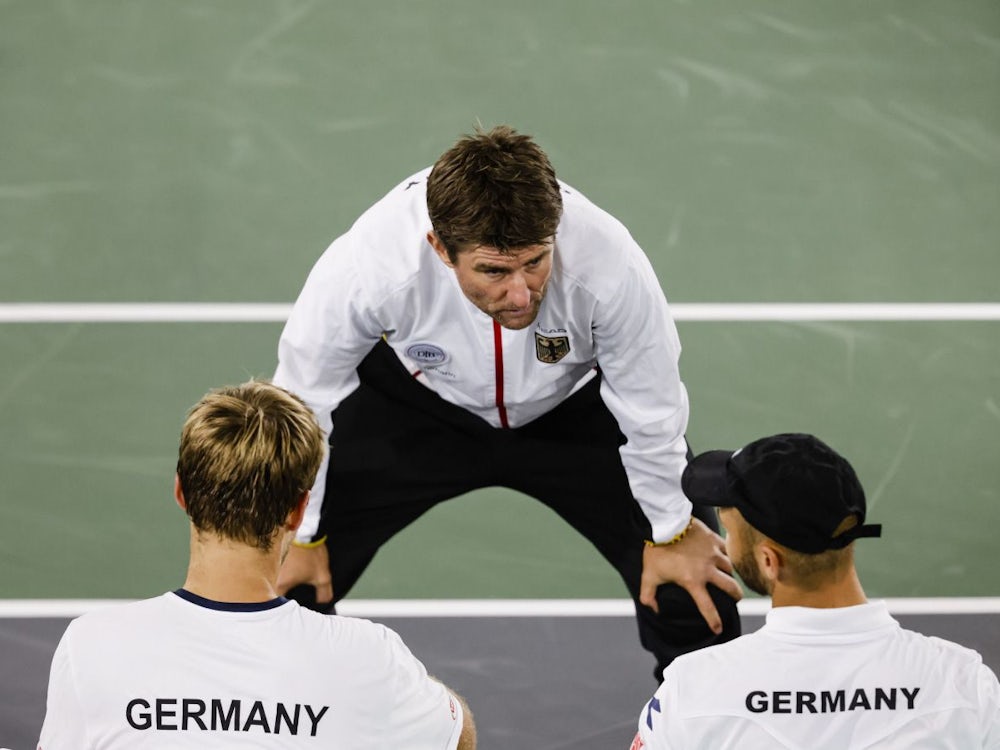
x=792 y=487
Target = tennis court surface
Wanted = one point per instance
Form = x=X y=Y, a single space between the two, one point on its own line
x=815 y=184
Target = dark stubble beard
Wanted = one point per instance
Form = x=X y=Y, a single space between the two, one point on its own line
x=749 y=571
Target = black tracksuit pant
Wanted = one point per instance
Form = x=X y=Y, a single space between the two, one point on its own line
x=398 y=449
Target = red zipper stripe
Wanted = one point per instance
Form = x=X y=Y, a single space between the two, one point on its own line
x=498 y=359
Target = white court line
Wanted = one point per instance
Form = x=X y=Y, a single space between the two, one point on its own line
x=166 y=312
x=169 y=312
x=18 y=608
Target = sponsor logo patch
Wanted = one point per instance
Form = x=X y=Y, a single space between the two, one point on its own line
x=428 y=355
x=550 y=349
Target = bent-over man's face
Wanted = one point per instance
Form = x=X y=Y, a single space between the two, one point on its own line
x=509 y=286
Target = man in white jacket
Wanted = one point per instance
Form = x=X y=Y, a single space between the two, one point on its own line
x=485 y=324
x=225 y=661
x=829 y=670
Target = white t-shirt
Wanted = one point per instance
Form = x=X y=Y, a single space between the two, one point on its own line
x=603 y=307
x=846 y=678
x=178 y=671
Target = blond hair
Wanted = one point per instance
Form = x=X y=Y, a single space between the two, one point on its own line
x=247 y=454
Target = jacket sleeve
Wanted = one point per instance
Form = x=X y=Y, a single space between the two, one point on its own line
x=65 y=723
x=989 y=702
x=658 y=727
x=424 y=715
x=329 y=331
x=638 y=351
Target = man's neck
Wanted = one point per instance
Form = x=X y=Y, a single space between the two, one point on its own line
x=224 y=570
x=844 y=591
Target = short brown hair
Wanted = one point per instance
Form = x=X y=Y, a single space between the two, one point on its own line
x=495 y=188
x=247 y=453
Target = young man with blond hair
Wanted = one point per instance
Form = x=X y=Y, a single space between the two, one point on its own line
x=224 y=660
x=829 y=670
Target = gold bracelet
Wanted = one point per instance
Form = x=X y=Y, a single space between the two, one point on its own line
x=651 y=543
x=310 y=545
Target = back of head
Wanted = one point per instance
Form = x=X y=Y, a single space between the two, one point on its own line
x=495 y=188
x=791 y=487
x=247 y=454
x=808 y=571
x=795 y=492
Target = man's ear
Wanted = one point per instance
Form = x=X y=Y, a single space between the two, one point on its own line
x=440 y=249
x=298 y=513
x=179 y=493
x=769 y=560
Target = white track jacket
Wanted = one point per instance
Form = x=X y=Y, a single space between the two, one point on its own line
x=603 y=308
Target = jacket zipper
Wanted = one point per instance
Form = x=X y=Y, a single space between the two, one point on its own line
x=498 y=360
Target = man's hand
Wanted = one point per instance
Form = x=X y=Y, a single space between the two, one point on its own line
x=309 y=565
x=694 y=562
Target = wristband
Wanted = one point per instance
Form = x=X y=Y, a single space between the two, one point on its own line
x=310 y=545
x=650 y=543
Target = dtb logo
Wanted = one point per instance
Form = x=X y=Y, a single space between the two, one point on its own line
x=426 y=354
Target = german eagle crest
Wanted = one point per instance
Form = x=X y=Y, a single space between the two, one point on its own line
x=550 y=349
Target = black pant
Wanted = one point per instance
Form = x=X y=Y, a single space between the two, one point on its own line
x=398 y=449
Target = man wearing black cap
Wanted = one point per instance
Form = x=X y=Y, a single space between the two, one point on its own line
x=828 y=669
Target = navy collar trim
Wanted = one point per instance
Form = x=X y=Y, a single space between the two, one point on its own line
x=230 y=606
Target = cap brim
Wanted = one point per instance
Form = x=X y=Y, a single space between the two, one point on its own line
x=705 y=480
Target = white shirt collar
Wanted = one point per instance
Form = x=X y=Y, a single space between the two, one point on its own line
x=805 y=621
